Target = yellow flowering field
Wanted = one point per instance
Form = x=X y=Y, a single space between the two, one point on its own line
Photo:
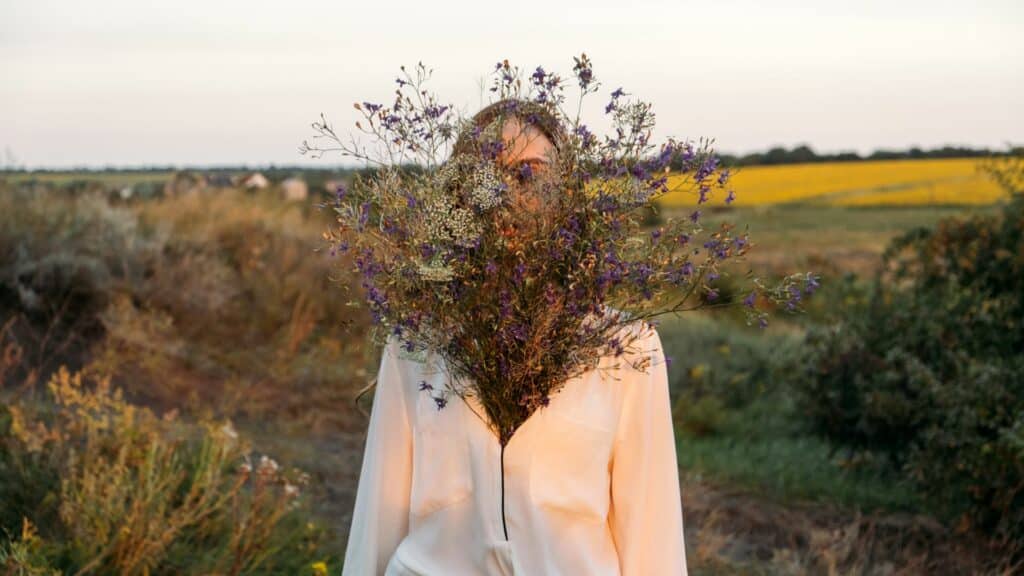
x=883 y=182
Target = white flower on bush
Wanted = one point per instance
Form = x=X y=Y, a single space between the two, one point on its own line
x=268 y=465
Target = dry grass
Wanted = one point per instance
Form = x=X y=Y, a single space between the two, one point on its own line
x=218 y=305
x=732 y=531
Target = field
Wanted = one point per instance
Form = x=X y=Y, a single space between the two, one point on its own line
x=886 y=182
x=929 y=182
x=218 y=303
x=124 y=178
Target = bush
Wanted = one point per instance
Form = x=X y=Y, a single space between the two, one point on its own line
x=712 y=358
x=93 y=484
x=652 y=214
x=217 y=298
x=928 y=368
x=61 y=257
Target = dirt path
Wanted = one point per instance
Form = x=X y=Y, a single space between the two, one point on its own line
x=736 y=532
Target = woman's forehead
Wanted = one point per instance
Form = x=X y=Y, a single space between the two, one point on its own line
x=524 y=141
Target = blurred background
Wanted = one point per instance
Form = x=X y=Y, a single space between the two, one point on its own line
x=176 y=379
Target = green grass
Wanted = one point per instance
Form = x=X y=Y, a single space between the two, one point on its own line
x=751 y=435
x=110 y=178
x=788 y=239
x=758 y=448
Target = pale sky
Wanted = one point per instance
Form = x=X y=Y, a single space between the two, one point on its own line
x=213 y=82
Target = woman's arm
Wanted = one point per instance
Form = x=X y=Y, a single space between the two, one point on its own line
x=380 y=519
x=646 y=516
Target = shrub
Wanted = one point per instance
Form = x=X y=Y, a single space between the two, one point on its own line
x=928 y=368
x=61 y=257
x=93 y=484
x=216 y=297
x=653 y=214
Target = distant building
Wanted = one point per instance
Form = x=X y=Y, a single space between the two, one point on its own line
x=294 y=189
x=253 y=181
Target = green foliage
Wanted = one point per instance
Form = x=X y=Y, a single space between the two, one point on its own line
x=763 y=447
x=712 y=357
x=652 y=214
x=737 y=423
x=927 y=370
x=699 y=415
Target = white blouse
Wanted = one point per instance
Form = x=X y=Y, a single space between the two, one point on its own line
x=587 y=486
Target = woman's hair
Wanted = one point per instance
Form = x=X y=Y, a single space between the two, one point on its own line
x=526 y=111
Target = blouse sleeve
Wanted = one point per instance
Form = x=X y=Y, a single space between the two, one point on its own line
x=380 y=518
x=646 y=516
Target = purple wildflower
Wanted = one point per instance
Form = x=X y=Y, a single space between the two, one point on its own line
x=615 y=345
x=434 y=111
x=520 y=269
x=550 y=294
x=525 y=171
x=538 y=76
x=613 y=103
x=364 y=215
x=707 y=168
x=812 y=285
x=585 y=135
x=749 y=300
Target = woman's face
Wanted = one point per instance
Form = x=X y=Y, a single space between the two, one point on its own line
x=524 y=144
x=527 y=150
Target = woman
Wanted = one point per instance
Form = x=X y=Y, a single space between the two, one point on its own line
x=587 y=486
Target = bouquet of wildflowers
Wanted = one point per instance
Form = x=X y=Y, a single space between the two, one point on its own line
x=522 y=275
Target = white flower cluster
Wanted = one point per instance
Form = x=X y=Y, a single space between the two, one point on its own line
x=449 y=224
x=479 y=178
x=434 y=273
x=267 y=466
x=449 y=176
x=485 y=187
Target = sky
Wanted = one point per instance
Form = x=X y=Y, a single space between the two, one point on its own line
x=205 y=83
